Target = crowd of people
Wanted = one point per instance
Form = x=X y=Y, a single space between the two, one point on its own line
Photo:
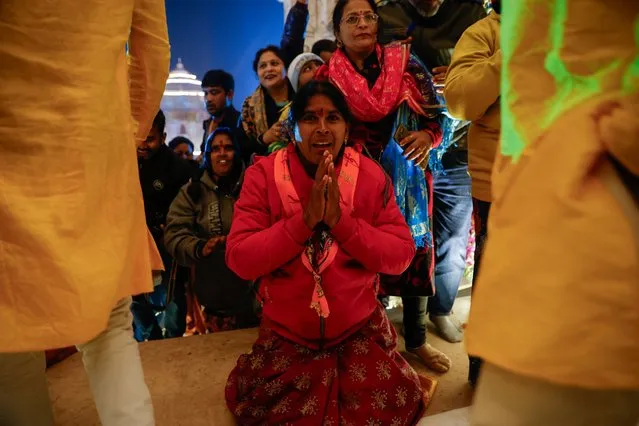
x=352 y=173
x=372 y=100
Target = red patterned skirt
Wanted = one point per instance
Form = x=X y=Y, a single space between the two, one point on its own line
x=361 y=381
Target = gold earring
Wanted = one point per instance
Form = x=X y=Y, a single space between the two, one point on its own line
x=339 y=44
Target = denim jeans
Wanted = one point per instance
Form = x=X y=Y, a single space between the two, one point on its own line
x=148 y=314
x=452 y=210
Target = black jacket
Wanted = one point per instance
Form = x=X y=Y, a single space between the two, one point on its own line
x=434 y=38
x=230 y=119
x=161 y=177
x=191 y=222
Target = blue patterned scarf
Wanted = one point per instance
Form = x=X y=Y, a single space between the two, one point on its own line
x=409 y=181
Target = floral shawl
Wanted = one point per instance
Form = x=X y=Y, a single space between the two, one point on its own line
x=403 y=88
x=255 y=122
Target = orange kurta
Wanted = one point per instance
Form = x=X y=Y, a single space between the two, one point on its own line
x=557 y=295
x=73 y=238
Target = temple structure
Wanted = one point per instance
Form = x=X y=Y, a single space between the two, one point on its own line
x=183 y=105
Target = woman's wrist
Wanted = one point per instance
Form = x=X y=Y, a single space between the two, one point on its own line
x=264 y=139
x=199 y=247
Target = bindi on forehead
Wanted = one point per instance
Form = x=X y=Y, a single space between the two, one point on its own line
x=222 y=139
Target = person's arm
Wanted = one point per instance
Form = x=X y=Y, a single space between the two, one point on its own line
x=432 y=126
x=393 y=22
x=292 y=43
x=179 y=234
x=472 y=83
x=149 y=61
x=248 y=144
x=205 y=127
x=254 y=247
x=185 y=172
x=384 y=246
x=240 y=137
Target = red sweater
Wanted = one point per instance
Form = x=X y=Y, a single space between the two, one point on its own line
x=265 y=244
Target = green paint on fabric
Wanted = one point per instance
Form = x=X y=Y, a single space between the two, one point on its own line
x=630 y=82
x=570 y=89
x=512 y=142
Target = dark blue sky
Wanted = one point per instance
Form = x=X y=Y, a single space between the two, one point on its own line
x=223 y=34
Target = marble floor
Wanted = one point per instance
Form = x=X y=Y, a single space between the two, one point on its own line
x=458 y=417
x=186 y=378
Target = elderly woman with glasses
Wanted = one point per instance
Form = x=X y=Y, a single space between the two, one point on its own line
x=392 y=98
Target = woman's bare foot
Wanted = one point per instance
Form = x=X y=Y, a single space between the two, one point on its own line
x=433 y=358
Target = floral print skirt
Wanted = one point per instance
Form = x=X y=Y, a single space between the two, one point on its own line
x=361 y=381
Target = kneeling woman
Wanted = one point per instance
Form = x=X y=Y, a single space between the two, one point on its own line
x=317 y=222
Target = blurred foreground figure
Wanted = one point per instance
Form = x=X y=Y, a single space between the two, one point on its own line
x=555 y=314
x=74 y=244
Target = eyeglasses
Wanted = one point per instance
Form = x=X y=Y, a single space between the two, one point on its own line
x=369 y=18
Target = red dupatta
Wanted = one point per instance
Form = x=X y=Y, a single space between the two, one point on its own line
x=394 y=85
